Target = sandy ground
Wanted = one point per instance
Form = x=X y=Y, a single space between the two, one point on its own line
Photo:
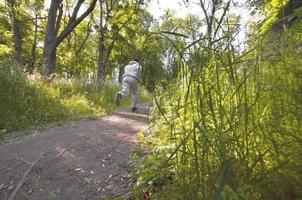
x=85 y=159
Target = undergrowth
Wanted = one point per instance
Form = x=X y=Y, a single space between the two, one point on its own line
x=29 y=101
x=231 y=129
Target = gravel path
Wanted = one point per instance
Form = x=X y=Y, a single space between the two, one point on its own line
x=86 y=159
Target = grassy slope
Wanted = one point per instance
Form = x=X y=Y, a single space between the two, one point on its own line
x=31 y=102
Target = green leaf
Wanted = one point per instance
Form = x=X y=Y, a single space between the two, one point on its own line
x=140 y=134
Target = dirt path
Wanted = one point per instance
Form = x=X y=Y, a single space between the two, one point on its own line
x=82 y=160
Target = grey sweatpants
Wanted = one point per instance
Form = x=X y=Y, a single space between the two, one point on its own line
x=130 y=87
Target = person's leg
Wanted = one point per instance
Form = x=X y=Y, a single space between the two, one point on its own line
x=122 y=93
x=134 y=95
x=125 y=88
x=134 y=102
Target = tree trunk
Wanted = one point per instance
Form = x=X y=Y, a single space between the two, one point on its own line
x=101 y=63
x=34 y=47
x=50 y=58
x=15 y=24
x=17 y=42
x=50 y=38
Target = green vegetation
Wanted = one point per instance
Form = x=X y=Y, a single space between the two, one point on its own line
x=231 y=128
x=31 y=71
x=32 y=101
x=227 y=115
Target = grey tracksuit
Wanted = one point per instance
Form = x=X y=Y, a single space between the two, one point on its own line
x=130 y=81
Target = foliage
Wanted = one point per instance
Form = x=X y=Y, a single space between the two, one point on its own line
x=31 y=101
x=230 y=128
x=275 y=10
x=226 y=122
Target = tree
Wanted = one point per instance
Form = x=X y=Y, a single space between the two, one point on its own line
x=52 y=39
x=35 y=7
x=16 y=29
x=114 y=15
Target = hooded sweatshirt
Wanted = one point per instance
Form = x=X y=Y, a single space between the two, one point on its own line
x=132 y=69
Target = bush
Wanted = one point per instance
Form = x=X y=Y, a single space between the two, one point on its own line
x=232 y=130
x=29 y=101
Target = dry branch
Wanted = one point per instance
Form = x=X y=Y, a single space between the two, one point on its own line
x=12 y=196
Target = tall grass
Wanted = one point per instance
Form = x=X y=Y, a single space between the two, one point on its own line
x=30 y=101
x=232 y=127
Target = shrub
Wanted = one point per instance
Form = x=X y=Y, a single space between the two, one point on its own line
x=29 y=101
x=231 y=130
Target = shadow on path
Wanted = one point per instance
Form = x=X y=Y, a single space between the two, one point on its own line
x=85 y=160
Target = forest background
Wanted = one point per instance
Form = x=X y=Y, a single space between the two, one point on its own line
x=226 y=121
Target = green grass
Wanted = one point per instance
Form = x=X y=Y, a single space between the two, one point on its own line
x=229 y=130
x=30 y=101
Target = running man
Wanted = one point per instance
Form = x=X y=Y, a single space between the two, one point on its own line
x=130 y=81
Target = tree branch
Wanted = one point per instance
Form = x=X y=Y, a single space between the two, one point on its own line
x=114 y=40
x=204 y=12
x=73 y=24
x=75 y=11
x=59 y=18
x=220 y=21
x=86 y=36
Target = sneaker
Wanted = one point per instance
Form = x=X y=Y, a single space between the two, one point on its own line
x=118 y=98
x=134 y=109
